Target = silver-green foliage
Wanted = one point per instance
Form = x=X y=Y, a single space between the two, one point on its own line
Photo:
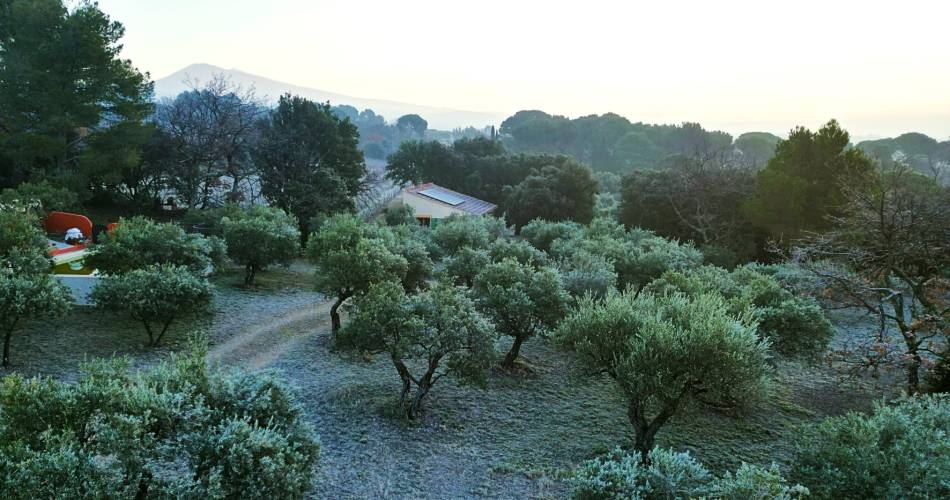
x=155 y=296
x=140 y=242
x=438 y=329
x=900 y=451
x=178 y=430
x=668 y=352
x=522 y=301
x=261 y=237
x=27 y=290
x=671 y=475
x=795 y=324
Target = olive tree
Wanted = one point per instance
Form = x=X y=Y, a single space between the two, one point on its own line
x=155 y=296
x=261 y=237
x=457 y=232
x=668 y=352
x=27 y=290
x=796 y=326
x=350 y=255
x=522 y=301
x=438 y=329
x=139 y=242
x=465 y=264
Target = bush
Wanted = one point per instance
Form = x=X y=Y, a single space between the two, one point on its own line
x=900 y=451
x=668 y=352
x=155 y=296
x=261 y=237
x=174 y=431
x=139 y=242
x=752 y=482
x=668 y=474
x=587 y=273
x=541 y=233
x=796 y=326
x=457 y=232
x=49 y=197
x=519 y=250
x=399 y=215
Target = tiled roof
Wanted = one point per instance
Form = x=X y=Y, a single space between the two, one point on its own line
x=469 y=204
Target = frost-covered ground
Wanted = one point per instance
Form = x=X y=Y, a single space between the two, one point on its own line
x=517 y=437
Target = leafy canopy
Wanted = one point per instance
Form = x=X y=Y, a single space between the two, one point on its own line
x=668 y=352
x=156 y=296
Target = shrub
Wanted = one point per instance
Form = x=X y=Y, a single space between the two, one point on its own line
x=668 y=352
x=541 y=233
x=522 y=301
x=174 y=431
x=796 y=326
x=261 y=237
x=155 y=296
x=667 y=474
x=900 y=451
x=752 y=482
x=587 y=273
x=139 y=242
x=462 y=267
x=49 y=197
x=399 y=215
x=439 y=329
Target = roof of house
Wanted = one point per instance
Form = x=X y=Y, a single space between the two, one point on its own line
x=456 y=200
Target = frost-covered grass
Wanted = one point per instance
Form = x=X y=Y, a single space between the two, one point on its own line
x=520 y=436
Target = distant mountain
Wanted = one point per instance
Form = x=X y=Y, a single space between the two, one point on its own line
x=270 y=90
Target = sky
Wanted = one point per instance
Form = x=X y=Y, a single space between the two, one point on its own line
x=881 y=68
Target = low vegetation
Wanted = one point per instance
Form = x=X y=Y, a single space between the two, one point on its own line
x=178 y=430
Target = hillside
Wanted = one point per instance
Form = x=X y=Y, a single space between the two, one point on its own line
x=438 y=118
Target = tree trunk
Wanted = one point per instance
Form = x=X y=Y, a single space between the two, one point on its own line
x=335 y=312
x=509 y=361
x=404 y=376
x=423 y=386
x=158 y=340
x=249 y=271
x=151 y=337
x=645 y=429
x=6 y=347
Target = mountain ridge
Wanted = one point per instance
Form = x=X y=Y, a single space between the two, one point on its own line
x=269 y=89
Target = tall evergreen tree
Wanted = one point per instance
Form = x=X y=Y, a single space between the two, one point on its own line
x=62 y=85
x=803 y=183
x=308 y=160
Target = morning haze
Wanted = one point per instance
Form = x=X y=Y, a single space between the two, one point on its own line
x=732 y=65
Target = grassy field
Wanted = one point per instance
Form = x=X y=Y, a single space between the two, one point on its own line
x=517 y=437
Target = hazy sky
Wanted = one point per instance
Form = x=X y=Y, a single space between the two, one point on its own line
x=881 y=68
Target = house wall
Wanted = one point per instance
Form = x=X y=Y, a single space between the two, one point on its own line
x=428 y=208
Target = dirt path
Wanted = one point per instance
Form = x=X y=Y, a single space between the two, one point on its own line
x=259 y=344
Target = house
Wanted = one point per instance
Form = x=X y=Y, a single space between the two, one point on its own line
x=432 y=203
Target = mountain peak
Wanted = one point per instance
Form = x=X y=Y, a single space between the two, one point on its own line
x=269 y=90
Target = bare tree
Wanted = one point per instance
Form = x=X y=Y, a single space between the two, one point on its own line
x=212 y=129
x=892 y=247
